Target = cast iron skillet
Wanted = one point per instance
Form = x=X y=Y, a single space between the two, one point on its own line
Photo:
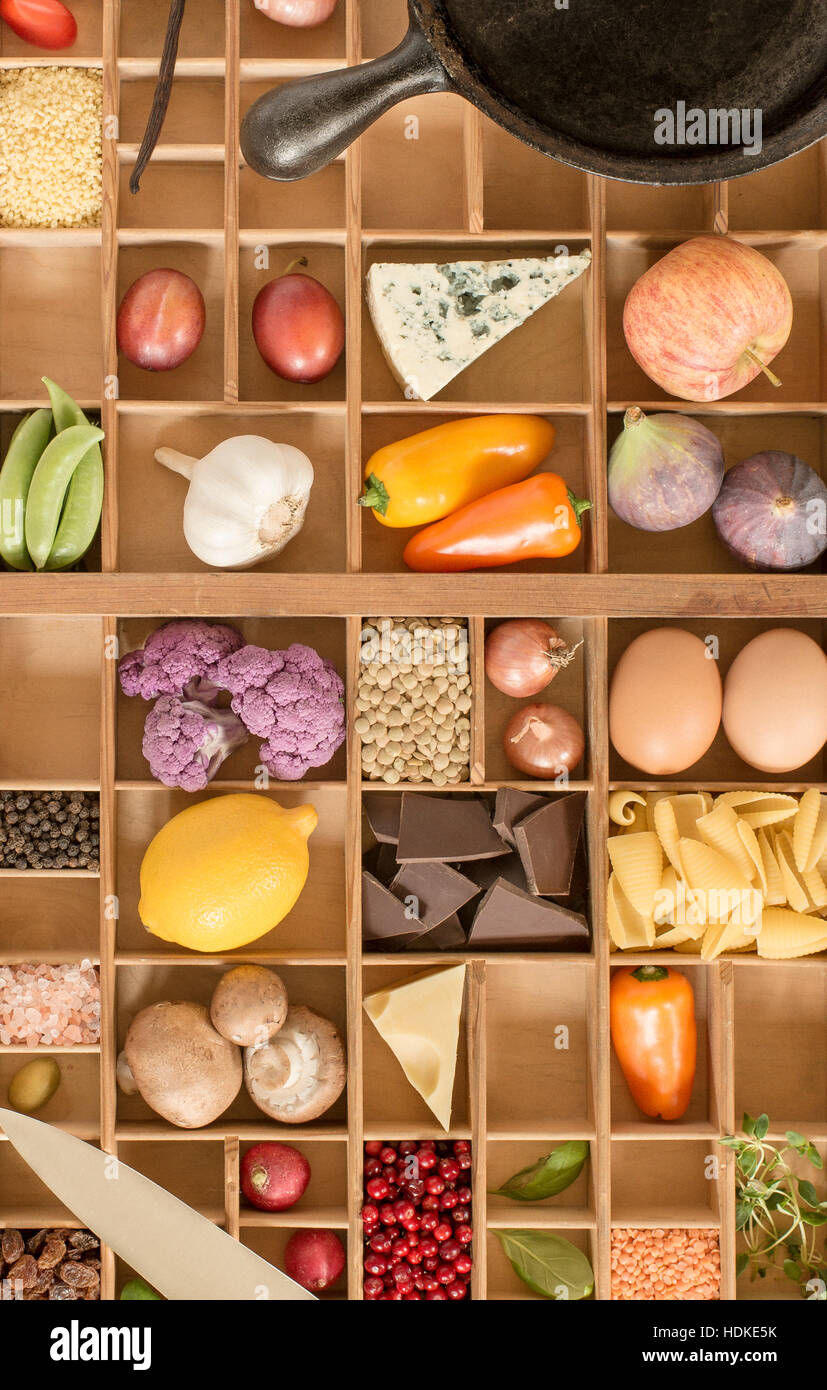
x=580 y=83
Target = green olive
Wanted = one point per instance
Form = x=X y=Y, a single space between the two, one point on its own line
x=33 y=1085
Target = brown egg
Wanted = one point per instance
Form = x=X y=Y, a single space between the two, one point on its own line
x=775 y=701
x=665 y=701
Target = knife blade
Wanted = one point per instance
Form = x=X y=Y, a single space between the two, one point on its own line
x=178 y=1251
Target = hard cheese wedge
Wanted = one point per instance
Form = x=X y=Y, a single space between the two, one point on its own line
x=433 y=321
x=419 y=1020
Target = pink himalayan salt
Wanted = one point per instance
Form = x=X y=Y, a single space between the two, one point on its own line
x=57 y=1005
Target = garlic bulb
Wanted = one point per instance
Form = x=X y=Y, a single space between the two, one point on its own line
x=247 y=498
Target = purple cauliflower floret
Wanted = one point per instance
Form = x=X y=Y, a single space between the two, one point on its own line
x=293 y=700
x=186 y=741
x=179 y=658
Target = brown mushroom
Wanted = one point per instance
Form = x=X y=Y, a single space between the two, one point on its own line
x=249 y=1005
x=300 y=1073
x=184 y=1069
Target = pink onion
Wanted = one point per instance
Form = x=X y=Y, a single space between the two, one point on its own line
x=300 y=14
x=543 y=741
x=522 y=656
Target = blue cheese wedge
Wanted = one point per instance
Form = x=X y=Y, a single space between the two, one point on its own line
x=433 y=321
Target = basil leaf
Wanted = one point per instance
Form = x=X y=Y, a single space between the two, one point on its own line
x=795 y=1139
x=762 y=1125
x=551 y=1266
x=741 y=1262
x=748 y=1125
x=548 y=1175
x=814 y=1156
x=814 y=1218
x=743 y=1211
x=807 y=1192
x=792 y=1270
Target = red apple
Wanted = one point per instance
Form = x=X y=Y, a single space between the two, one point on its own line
x=707 y=318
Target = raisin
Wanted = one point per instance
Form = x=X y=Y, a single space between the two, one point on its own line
x=24 y=1271
x=78 y=1276
x=43 y=1282
x=12 y=1246
x=35 y=1243
x=52 y=1253
x=61 y=1291
x=83 y=1240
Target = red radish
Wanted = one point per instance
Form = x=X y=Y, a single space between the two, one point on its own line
x=298 y=327
x=274 y=1176
x=43 y=23
x=315 y=1259
x=707 y=318
x=161 y=320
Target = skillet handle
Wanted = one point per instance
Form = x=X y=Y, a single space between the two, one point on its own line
x=298 y=128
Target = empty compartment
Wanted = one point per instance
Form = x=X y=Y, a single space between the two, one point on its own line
x=636 y=207
x=413 y=165
x=321 y=988
x=789 y=196
x=392 y=1108
x=666 y=1184
x=574 y=1206
x=544 y=359
x=191 y=1171
x=201 y=376
x=143 y=25
x=316 y=925
x=153 y=497
x=725 y=638
x=781 y=1044
x=568 y=689
x=28 y=1204
x=50 y=311
x=270 y=1241
x=195 y=115
x=49 y=919
x=382 y=546
x=526 y=189
x=703 y=1115
x=316 y=201
x=50 y=701
x=383 y=24
x=324 y=635
x=505 y=1285
x=800 y=364
x=174 y=195
x=258 y=265
x=697 y=548
x=323 y=1203
x=74 y=1105
x=539 y=1069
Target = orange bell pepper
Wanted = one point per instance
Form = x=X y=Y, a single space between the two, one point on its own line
x=429 y=475
x=536 y=519
x=652 y=1019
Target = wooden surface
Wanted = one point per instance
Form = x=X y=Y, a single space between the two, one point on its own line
x=462 y=186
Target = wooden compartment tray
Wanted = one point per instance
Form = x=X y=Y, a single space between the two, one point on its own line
x=432 y=177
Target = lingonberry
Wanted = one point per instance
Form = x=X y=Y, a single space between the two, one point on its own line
x=456 y=1290
x=449 y=1250
x=449 y=1169
x=443 y=1232
x=377 y=1188
x=374 y=1287
x=463 y=1234
x=463 y=1264
x=370 y=1214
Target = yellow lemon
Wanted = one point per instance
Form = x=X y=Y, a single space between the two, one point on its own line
x=225 y=871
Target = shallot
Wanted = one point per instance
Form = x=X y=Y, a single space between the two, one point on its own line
x=524 y=655
x=543 y=741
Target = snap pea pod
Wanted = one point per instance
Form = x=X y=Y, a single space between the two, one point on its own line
x=52 y=476
x=27 y=444
x=84 y=499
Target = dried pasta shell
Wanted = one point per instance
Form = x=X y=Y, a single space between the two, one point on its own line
x=795 y=891
x=760 y=808
x=785 y=935
x=720 y=830
x=666 y=898
x=752 y=849
x=729 y=937
x=774 y=895
x=627 y=928
x=625 y=806
x=810 y=830
x=638 y=863
x=726 y=894
x=689 y=948
x=677 y=936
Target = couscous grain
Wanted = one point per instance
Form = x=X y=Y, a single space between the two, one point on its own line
x=50 y=147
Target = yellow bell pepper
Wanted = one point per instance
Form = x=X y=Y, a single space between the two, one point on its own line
x=430 y=475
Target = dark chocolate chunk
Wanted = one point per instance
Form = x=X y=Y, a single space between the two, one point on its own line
x=511 y=806
x=547 y=843
x=484 y=872
x=446 y=830
x=382 y=812
x=386 y=923
x=381 y=862
x=437 y=891
x=509 y=920
x=447 y=936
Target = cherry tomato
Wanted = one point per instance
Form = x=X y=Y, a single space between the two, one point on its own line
x=44 y=23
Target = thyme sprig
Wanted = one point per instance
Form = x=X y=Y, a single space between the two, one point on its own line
x=778 y=1212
